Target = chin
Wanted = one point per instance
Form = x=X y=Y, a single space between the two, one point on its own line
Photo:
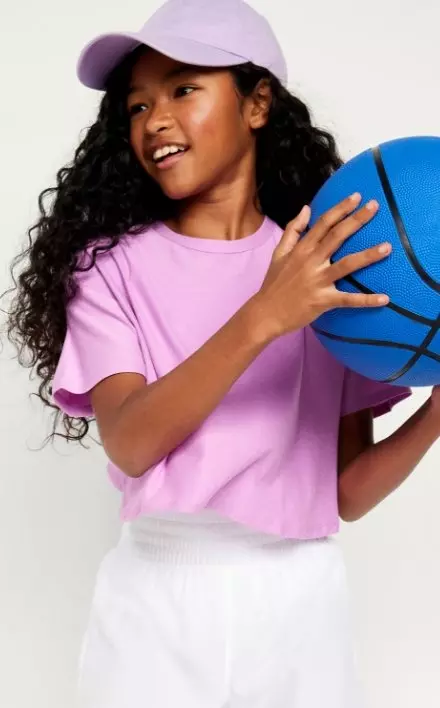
x=180 y=191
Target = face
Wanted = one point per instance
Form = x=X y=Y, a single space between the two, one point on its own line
x=173 y=106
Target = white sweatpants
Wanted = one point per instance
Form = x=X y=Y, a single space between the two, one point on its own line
x=199 y=612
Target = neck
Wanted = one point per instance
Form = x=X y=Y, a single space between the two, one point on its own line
x=228 y=211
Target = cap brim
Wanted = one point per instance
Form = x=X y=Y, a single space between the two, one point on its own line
x=100 y=56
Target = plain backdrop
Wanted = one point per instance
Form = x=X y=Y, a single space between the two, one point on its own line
x=370 y=73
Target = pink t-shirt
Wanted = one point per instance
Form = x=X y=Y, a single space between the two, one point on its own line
x=267 y=455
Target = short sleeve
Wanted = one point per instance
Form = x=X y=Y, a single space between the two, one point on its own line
x=101 y=339
x=360 y=392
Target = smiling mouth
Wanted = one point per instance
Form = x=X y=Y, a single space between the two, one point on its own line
x=168 y=160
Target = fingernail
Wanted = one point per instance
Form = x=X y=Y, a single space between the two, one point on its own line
x=384 y=248
x=372 y=205
x=354 y=197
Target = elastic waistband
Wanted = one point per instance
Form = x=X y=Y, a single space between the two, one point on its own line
x=202 y=538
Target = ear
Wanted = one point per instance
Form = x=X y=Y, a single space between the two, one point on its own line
x=260 y=99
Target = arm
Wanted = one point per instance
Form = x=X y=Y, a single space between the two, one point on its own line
x=139 y=424
x=368 y=471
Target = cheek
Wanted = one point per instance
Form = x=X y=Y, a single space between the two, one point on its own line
x=203 y=129
x=213 y=125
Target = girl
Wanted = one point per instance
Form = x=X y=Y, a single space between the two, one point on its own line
x=168 y=294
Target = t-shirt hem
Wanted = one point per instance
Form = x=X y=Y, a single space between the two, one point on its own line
x=380 y=404
x=314 y=532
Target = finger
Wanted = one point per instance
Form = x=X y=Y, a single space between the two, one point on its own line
x=346 y=228
x=332 y=217
x=293 y=232
x=356 y=261
x=357 y=300
x=300 y=222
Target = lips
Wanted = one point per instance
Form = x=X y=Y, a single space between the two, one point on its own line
x=170 y=160
x=161 y=152
x=156 y=147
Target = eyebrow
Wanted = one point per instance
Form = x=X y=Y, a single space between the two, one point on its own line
x=177 y=71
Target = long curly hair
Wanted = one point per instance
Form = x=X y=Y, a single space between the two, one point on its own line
x=105 y=192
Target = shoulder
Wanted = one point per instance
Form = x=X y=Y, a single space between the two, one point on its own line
x=103 y=261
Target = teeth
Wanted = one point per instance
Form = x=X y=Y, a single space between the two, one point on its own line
x=166 y=150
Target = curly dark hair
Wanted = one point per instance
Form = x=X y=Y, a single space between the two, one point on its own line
x=105 y=192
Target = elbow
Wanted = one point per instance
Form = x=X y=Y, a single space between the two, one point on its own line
x=346 y=510
x=133 y=462
x=130 y=466
x=346 y=516
x=133 y=470
x=136 y=464
x=349 y=514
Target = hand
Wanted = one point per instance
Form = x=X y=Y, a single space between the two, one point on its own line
x=299 y=284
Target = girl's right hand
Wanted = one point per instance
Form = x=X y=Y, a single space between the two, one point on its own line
x=300 y=283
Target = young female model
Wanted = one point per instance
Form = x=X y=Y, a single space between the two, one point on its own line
x=169 y=292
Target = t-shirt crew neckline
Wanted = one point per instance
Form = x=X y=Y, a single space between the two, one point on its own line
x=247 y=243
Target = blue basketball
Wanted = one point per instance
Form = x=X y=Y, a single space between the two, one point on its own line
x=398 y=343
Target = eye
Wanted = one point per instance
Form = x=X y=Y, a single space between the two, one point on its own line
x=184 y=90
x=135 y=108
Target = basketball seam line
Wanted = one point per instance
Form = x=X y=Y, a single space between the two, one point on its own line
x=391 y=305
x=385 y=343
x=401 y=230
x=422 y=350
x=395 y=213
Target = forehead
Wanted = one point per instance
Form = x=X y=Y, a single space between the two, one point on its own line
x=151 y=67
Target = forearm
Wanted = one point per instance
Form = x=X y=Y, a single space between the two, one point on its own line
x=381 y=468
x=158 y=418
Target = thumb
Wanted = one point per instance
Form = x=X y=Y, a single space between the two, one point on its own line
x=302 y=220
x=293 y=231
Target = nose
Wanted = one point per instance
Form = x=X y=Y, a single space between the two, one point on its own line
x=158 y=119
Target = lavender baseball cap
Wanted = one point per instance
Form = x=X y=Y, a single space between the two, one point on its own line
x=198 y=32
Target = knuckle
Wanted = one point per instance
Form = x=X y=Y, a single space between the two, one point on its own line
x=337 y=235
x=362 y=259
x=358 y=217
x=372 y=254
x=326 y=220
x=341 y=229
x=318 y=297
x=305 y=248
x=335 y=271
x=342 y=265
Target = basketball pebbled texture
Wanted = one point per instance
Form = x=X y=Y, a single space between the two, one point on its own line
x=398 y=343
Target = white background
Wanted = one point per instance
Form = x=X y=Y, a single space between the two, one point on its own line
x=370 y=72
